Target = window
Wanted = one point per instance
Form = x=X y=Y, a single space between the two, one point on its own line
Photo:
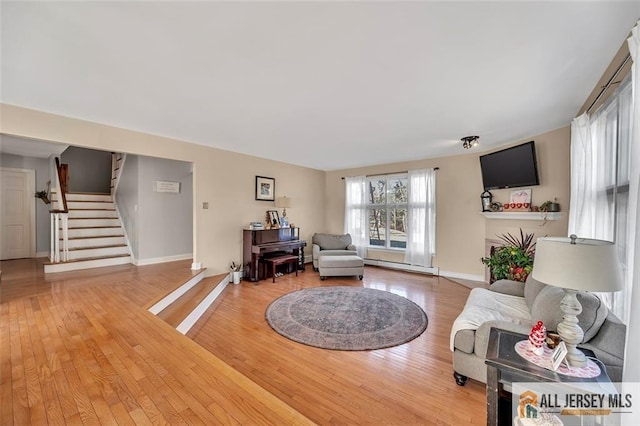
x=387 y=211
x=600 y=178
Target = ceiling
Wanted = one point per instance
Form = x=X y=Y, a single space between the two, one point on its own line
x=327 y=85
x=30 y=147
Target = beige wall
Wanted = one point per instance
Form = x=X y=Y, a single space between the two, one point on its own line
x=461 y=229
x=225 y=179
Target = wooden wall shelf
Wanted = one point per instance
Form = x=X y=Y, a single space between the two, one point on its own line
x=523 y=215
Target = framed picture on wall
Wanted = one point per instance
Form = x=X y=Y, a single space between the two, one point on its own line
x=265 y=188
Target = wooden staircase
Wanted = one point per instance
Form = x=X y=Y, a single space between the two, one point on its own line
x=96 y=236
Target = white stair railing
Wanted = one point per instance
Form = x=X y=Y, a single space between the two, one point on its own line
x=59 y=227
x=59 y=222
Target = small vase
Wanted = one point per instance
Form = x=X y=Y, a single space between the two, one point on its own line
x=236 y=277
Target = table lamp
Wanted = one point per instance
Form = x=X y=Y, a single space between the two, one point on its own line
x=576 y=264
x=283 y=202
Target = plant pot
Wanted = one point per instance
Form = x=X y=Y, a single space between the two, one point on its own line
x=553 y=207
x=236 y=277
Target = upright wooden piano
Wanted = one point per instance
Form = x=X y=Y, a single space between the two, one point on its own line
x=260 y=243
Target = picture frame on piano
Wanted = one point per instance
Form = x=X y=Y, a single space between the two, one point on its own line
x=274 y=218
x=265 y=188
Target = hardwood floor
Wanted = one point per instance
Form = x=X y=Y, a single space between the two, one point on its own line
x=81 y=347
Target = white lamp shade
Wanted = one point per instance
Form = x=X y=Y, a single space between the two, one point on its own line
x=283 y=202
x=588 y=265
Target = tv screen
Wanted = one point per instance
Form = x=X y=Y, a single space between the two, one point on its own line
x=510 y=168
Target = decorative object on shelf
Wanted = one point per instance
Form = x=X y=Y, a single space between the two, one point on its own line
x=513 y=259
x=236 y=270
x=273 y=220
x=284 y=203
x=470 y=141
x=265 y=188
x=520 y=200
x=256 y=225
x=496 y=207
x=536 y=338
x=576 y=264
x=550 y=206
x=44 y=194
x=486 y=198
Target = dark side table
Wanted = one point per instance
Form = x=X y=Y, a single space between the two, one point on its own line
x=505 y=366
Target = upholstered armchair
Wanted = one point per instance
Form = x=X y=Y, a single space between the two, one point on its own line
x=331 y=244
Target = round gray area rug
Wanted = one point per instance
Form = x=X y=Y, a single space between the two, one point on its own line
x=346 y=318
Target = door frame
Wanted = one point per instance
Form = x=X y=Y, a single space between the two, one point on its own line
x=31 y=183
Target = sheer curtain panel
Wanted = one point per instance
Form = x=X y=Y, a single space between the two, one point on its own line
x=355 y=212
x=604 y=167
x=421 y=217
x=632 y=367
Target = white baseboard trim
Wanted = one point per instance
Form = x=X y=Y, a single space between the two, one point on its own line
x=154 y=260
x=402 y=266
x=195 y=315
x=449 y=274
x=175 y=294
x=196 y=265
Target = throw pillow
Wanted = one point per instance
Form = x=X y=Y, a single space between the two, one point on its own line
x=531 y=289
x=546 y=308
x=513 y=288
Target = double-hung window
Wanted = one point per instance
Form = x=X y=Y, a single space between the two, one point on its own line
x=387 y=211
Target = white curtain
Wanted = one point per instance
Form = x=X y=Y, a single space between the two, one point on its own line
x=604 y=172
x=421 y=217
x=355 y=212
x=631 y=367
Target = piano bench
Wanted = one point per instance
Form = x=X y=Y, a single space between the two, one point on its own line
x=281 y=260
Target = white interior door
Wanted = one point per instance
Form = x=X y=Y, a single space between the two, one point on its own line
x=18 y=213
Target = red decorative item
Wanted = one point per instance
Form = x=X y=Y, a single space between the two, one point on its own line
x=536 y=338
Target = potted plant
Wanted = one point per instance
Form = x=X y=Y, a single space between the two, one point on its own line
x=512 y=260
x=550 y=206
x=236 y=269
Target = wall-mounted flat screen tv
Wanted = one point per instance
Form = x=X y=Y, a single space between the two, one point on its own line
x=510 y=168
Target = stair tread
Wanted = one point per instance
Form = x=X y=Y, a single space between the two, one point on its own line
x=94 y=236
x=94 y=227
x=97 y=247
x=92 y=210
x=175 y=313
x=89 y=258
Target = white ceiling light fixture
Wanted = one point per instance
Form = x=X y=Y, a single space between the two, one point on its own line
x=469 y=142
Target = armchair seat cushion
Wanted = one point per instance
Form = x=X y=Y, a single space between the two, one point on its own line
x=327 y=253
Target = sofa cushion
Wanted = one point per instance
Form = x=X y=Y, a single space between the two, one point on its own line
x=546 y=308
x=531 y=289
x=332 y=241
x=514 y=288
